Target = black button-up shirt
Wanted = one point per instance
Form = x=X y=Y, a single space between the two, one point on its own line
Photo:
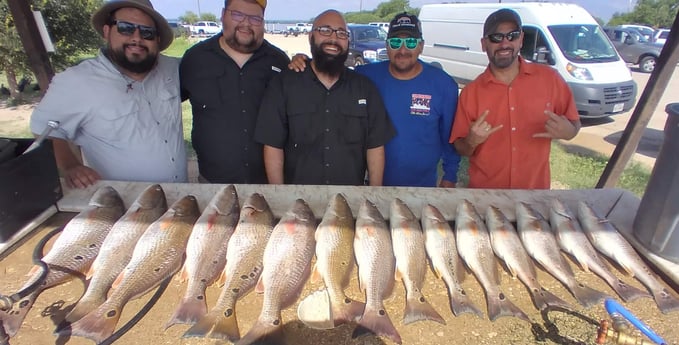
x=225 y=100
x=324 y=133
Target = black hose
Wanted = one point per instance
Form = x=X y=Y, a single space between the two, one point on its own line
x=6 y=302
x=147 y=307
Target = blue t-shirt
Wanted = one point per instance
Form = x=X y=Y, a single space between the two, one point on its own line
x=422 y=109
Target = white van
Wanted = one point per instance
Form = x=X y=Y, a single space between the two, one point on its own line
x=564 y=36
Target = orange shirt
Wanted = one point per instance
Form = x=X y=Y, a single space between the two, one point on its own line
x=511 y=157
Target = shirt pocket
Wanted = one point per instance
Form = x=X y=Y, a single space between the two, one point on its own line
x=205 y=89
x=115 y=123
x=353 y=123
x=304 y=124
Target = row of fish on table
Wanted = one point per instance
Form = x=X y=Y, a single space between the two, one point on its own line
x=126 y=253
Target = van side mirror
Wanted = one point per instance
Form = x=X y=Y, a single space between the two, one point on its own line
x=544 y=56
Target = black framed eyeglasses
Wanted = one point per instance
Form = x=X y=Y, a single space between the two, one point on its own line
x=498 y=36
x=240 y=16
x=327 y=31
x=410 y=42
x=127 y=29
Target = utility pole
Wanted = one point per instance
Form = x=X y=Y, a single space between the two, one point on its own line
x=198 y=9
x=360 y=6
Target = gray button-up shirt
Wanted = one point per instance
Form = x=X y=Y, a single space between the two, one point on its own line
x=130 y=131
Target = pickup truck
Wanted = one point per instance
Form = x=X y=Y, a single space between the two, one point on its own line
x=634 y=48
x=205 y=28
x=300 y=27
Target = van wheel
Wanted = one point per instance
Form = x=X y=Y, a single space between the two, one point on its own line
x=358 y=61
x=647 y=64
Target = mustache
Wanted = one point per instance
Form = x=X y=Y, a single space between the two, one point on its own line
x=134 y=44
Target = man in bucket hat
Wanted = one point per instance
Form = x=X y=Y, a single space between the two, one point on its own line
x=122 y=109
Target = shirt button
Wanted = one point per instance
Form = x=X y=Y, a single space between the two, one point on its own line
x=166 y=141
x=327 y=147
x=241 y=73
x=173 y=159
x=242 y=111
x=327 y=165
x=327 y=93
x=242 y=92
x=327 y=110
x=327 y=181
x=247 y=164
x=512 y=108
x=245 y=130
x=204 y=106
x=245 y=148
x=327 y=130
x=514 y=128
x=158 y=122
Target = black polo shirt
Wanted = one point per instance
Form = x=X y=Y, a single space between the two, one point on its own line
x=225 y=100
x=324 y=133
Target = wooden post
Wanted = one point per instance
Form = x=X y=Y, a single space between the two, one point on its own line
x=648 y=102
x=32 y=42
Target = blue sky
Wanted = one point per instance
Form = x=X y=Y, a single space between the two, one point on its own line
x=307 y=9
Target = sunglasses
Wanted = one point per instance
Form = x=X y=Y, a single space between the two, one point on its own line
x=252 y=19
x=410 y=42
x=128 y=29
x=498 y=36
x=327 y=31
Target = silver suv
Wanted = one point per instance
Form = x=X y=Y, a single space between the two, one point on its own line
x=634 y=48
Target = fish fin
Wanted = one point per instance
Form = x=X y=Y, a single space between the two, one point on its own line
x=315 y=274
x=259 y=288
x=437 y=273
x=189 y=311
x=13 y=319
x=348 y=311
x=665 y=300
x=91 y=270
x=500 y=305
x=627 y=292
x=376 y=322
x=263 y=333
x=116 y=283
x=97 y=325
x=398 y=276
x=201 y=328
x=461 y=304
x=587 y=296
x=226 y=326
x=418 y=309
x=183 y=275
x=543 y=299
x=85 y=305
x=221 y=279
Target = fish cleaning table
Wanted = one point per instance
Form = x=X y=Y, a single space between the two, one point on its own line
x=619 y=205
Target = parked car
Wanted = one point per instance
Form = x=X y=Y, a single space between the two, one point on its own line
x=634 y=48
x=661 y=36
x=646 y=31
x=366 y=42
x=300 y=27
x=383 y=25
x=178 y=28
x=205 y=28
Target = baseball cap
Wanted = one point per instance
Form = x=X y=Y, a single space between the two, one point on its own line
x=503 y=15
x=405 y=23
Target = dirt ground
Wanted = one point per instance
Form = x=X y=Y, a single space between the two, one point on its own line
x=53 y=304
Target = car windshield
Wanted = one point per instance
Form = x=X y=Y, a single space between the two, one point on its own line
x=370 y=34
x=583 y=43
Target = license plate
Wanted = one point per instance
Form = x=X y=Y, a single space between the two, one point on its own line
x=618 y=107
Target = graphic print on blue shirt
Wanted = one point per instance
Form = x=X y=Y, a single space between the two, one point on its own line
x=420 y=104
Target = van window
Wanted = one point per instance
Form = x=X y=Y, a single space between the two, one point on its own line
x=535 y=47
x=583 y=43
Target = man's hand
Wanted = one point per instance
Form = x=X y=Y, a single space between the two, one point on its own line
x=446 y=184
x=298 y=62
x=480 y=130
x=557 y=127
x=81 y=176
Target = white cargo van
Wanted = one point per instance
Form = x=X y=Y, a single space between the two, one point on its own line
x=564 y=36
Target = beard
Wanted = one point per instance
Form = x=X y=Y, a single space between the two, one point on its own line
x=136 y=64
x=329 y=64
x=503 y=62
x=240 y=44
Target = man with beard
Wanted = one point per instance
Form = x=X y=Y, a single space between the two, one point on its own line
x=326 y=125
x=121 y=108
x=507 y=117
x=225 y=77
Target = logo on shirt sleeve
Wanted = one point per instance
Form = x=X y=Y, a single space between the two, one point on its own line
x=420 y=104
x=275 y=69
x=362 y=101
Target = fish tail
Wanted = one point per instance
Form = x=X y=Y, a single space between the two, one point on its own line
x=346 y=312
x=586 y=295
x=201 y=328
x=461 y=304
x=543 y=299
x=627 y=292
x=418 y=309
x=226 y=326
x=263 y=333
x=500 y=305
x=376 y=321
x=13 y=319
x=84 y=306
x=97 y=325
x=189 y=310
x=665 y=300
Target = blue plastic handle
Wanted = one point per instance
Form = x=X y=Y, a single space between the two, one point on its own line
x=614 y=307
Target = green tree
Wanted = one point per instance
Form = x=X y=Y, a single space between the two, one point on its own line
x=209 y=17
x=189 y=17
x=387 y=10
x=363 y=17
x=655 y=13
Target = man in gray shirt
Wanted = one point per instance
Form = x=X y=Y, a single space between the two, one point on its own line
x=123 y=107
